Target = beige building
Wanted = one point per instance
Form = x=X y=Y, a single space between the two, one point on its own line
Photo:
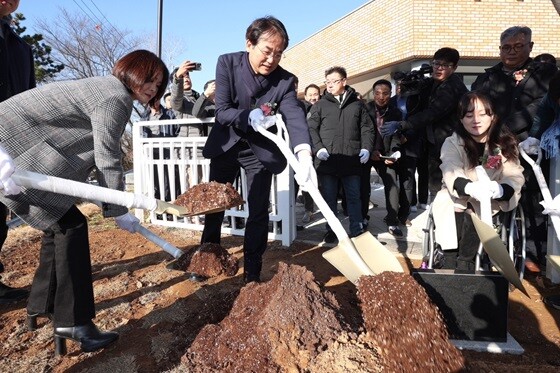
x=385 y=36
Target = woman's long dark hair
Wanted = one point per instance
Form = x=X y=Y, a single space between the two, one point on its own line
x=499 y=135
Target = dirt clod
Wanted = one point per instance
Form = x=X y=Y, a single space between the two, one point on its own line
x=208 y=260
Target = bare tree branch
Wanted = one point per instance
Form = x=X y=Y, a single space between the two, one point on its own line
x=86 y=49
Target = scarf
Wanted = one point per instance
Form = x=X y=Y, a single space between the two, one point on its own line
x=550 y=139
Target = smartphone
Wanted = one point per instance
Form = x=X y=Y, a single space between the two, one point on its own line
x=197 y=66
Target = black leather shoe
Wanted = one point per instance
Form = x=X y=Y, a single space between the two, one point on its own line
x=88 y=336
x=11 y=295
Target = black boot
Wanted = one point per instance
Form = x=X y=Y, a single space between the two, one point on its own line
x=10 y=295
x=89 y=337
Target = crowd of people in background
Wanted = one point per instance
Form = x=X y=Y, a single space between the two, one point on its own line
x=400 y=133
x=439 y=132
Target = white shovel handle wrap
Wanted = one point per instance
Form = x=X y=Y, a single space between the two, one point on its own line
x=542 y=185
x=73 y=188
x=486 y=204
x=313 y=190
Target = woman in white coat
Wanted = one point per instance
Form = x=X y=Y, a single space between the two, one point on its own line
x=479 y=140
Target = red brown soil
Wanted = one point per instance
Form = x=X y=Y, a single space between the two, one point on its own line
x=208 y=260
x=159 y=313
x=400 y=318
x=212 y=196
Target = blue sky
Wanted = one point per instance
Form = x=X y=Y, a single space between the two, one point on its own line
x=198 y=30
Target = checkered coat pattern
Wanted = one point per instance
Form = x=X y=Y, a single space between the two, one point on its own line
x=64 y=129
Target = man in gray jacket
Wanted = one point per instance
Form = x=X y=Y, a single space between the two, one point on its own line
x=342 y=135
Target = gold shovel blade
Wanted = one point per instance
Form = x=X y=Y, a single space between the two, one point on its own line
x=377 y=257
x=497 y=252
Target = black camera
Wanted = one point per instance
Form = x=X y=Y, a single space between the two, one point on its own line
x=197 y=66
x=414 y=81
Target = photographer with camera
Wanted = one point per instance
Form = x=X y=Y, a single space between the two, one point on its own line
x=438 y=118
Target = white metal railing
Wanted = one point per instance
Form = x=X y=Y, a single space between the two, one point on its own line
x=185 y=167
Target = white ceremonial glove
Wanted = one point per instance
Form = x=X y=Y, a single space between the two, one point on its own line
x=258 y=119
x=364 y=155
x=478 y=190
x=551 y=208
x=7 y=168
x=307 y=171
x=128 y=222
x=496 y=189
x=530 y=145
x=323 y=154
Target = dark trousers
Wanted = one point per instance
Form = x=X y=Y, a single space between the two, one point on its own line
x=63 y=283
x=535 y=221
x=465 y=257
x=422 y=168
x=307 y=199
x=435 y=175
x=396 y=201
x=351 y=183
x=365 y=189
x=225 y=168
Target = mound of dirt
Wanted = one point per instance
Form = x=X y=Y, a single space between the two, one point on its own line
x=208 y=260
x=409 y=330
x=280 y=325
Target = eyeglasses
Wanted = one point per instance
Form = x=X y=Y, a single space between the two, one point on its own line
x=440 y=65
x=333 y=82
x=516 y=47
x=270 y=54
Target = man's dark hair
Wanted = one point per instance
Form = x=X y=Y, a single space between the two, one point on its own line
x=268 y=24
x=382 y=82
x=450 y=55
x=312 y=86
x=514 y=31
x=336 y=69
x=208 y=83
x=554 y=87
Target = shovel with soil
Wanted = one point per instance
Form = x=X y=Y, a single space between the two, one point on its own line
x=354 y=257
x=73 y=188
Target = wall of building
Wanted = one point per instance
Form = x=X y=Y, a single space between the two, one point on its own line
x=384 y=36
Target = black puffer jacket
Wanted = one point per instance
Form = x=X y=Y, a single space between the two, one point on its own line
x=516 y=105
x=439 y=118
x=343 y=130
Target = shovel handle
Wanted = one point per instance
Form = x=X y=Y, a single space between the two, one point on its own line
x=329 y=215
x=486 y=204
x=166 y=246
x=535 y=165
x=334 y=223
x=73 y=188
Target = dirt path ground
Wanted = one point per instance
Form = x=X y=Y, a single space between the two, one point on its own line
x=159 y=312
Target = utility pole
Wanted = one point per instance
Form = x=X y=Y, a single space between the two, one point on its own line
x=159 y=27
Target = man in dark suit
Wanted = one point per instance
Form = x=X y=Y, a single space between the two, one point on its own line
x=17 y=74
x=246 y=84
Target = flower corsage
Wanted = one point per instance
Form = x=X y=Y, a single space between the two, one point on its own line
x=269 y=108
x=519 y=75
x=493 y=161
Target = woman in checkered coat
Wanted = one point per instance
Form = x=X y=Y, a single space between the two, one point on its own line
x=67 y=129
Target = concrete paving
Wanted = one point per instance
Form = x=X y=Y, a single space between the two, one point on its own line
x=409 y=246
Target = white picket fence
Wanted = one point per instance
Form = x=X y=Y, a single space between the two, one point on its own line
x=186 y=163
